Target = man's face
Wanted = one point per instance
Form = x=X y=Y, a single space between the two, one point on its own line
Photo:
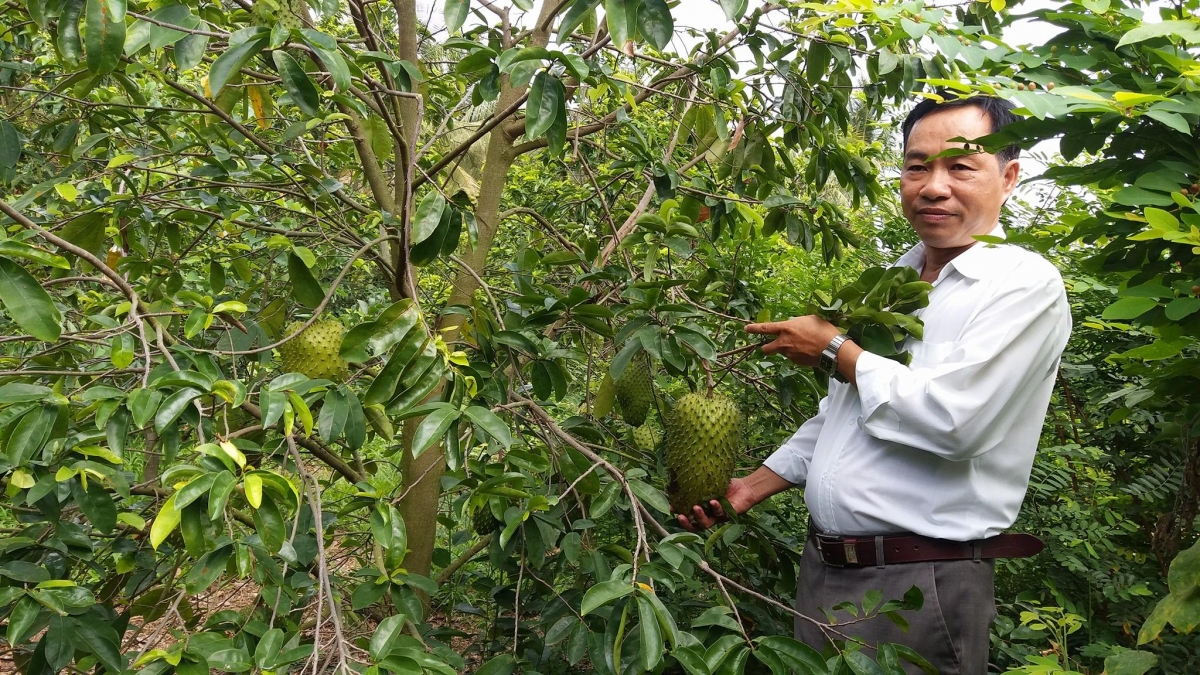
x=949 y=199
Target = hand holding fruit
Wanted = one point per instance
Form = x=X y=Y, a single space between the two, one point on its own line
x=739 y=495
x=800 y=338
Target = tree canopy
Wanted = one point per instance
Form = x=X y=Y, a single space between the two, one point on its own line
x=503 y=210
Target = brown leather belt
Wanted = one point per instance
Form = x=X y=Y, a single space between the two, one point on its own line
x=892 y=549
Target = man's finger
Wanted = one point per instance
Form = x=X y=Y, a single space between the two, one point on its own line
x=702 y=519
x=685 y=523
x=772 y=347
x=769 y=328
x=714 y=508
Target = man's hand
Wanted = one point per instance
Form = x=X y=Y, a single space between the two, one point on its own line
x=740 y=496
x=801 y=339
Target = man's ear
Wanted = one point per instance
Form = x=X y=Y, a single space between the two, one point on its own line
x=1009 y=176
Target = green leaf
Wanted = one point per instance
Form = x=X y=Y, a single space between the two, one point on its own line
x=20 y=249
x=603 y=593
x=429 y=214
x=27 y=303
x=734 y=9
x=31 y=433
x=22 y=617
x=491 y=424
x=121 y=352
x=545 y=98
x=655 y=23
x=620 y=18
x=25 y=572
x=10 y=146
x=173 y=407
x=385 y=636
x=270 y=524
x=575 y=15
x=218 y=495
x=143 y=403
x=1129 y=308
x=189 y=51
x=105 y=24
x=327 y=52
x=861 y=664
x=165 y=523
x=455 y=14
x=798 y=655
x=651 y=635
x=1187 y=30
x=305 y=288
x=432 y=428
x=68 y=42
x=500 y=665
x=650 y=495
x=298 y=86
x=268 y=648
x=233 y=60
x=1131 y=662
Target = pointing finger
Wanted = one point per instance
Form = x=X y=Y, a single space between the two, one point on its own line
x=770 y=328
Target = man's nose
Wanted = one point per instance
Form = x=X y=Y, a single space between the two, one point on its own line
x=937 y=185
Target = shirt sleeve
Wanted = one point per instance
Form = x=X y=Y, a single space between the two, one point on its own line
x=792 y=458
x=964 y=405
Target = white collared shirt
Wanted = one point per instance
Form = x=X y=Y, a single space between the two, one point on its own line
x=942 y=447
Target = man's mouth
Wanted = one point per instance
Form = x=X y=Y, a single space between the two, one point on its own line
x=934 y=214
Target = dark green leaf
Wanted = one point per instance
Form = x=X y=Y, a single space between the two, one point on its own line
x=233 y=60
x=10 y=146
x=298 y=86
x=455 y=13
x=428 y=216
x=432 y=428
x=655 y=23
x=603 y=593
x=27 y=303
x=305 y=288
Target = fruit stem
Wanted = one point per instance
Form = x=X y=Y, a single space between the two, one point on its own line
x=708 y=378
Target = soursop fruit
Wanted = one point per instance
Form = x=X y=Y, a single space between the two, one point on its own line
x=483 y=522
x=635 y=391
x=314 y=352
x=645 y=438
x=703 y=441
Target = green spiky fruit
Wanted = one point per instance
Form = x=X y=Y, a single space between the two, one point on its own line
x=635 y=391
x=645 y=437
x=314 y=352
x=703 y=441
x=483 y=522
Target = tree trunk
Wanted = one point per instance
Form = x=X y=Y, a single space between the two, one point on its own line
x=421 y=476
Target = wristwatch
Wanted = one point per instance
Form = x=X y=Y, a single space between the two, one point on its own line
x=828 y=360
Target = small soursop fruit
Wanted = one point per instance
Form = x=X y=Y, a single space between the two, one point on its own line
x=645 y=437
x=483 y=522
x=703 y=441
x=314 y=352
x=635 y=391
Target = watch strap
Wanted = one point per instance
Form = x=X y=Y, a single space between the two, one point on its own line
x=827 y=362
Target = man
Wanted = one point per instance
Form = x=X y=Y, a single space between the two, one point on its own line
x=911 y=472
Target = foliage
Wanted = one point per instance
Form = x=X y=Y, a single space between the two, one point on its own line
x=502 y=216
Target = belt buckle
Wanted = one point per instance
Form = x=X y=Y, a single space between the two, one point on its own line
x=825 y=539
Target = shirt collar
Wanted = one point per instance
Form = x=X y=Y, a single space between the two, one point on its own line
x=975 y=262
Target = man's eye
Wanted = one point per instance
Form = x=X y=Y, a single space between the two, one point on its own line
x=915 y=167
x=963 y=167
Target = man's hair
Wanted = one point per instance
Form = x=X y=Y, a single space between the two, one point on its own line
x=999 y=112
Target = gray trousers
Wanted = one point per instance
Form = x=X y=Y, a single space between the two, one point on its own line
x=950 y=630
